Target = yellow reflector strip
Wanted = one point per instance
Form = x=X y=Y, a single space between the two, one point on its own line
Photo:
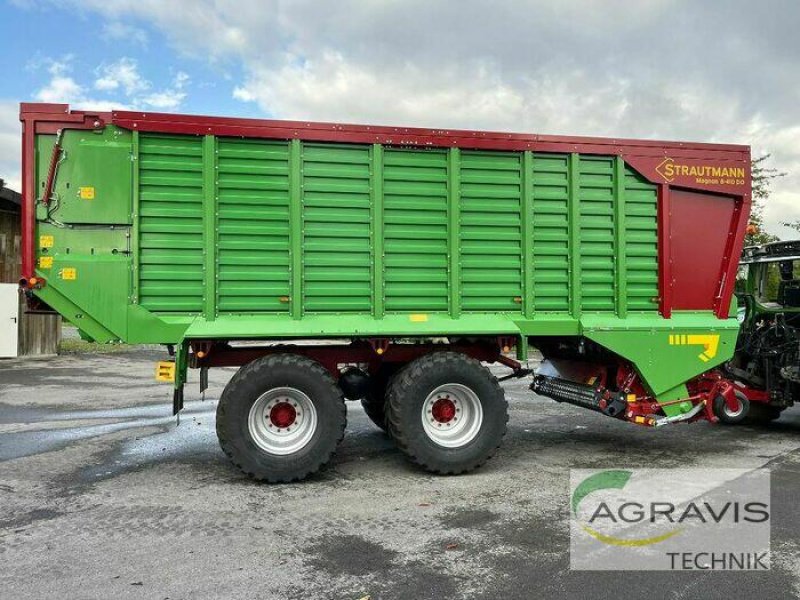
x=418 y=318
x=165 y=371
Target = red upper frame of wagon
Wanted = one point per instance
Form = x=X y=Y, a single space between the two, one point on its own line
x=50 y=117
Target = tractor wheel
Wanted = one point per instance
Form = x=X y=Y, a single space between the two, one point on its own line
x=374 y=403
x=728 y=416
x=446 y=412
x=281 y=417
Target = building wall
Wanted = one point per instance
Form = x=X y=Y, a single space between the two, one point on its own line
x=38 y=333
x=10 y=247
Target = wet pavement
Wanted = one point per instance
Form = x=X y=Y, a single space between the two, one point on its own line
x=101 y=495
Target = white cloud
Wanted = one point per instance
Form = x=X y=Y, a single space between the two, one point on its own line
x=121 y=81
x=10 y=145
x=63 y=88
x=60 y=89
x=243 y=93
x=117 y=85
x=784 y=202
x=655 y=69
x=119 y=31
x=170 y=98
x=166 y=100
x=181 y=80
x=122 y=74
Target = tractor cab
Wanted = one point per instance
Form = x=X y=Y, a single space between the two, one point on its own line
x=768 y=282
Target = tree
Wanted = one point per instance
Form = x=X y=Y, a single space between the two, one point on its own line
x=763 y=176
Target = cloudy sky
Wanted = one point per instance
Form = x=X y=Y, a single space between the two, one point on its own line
x=726 y=71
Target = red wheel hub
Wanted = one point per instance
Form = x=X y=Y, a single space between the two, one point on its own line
x=443 y=410
x=282 y=415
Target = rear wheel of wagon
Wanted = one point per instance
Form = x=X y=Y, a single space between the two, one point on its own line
x=447 y=412
x=281 y=417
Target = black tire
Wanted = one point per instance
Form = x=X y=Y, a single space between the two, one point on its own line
x=374 y=403
x=405 y=402
x=248 y=385
x=763 y=413
x=724 y=414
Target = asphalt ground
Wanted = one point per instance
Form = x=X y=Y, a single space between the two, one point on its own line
x=103 y=496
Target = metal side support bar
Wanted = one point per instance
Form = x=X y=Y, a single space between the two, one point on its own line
x=181 y=367
x=681 y=417
x=55 y=159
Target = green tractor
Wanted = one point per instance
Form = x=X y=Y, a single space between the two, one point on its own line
x=766 y=365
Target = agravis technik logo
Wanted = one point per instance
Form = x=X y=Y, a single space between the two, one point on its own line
x=670 y=519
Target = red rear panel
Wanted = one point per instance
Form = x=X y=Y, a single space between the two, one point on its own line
x=700 y=225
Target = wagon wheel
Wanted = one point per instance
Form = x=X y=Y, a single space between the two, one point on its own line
x=447 y=412
x=281 y=417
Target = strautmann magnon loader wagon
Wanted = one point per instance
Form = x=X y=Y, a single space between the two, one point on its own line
x=408 y=256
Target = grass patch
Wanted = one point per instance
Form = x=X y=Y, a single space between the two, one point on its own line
x=77 y=346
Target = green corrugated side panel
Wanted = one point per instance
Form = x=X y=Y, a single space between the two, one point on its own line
x=550 y=232
x=490 y=231
x=419 y=261
x=415 y=196
x=641 y=242
x=171 y=223
x=596 y=191
x=337 y=274
x=253 y=230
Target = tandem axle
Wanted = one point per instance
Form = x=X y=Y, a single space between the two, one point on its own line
x=437 y=399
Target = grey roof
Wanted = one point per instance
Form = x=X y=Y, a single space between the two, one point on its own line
x=9 y=199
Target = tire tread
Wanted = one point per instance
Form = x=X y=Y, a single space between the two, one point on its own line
x=395 y=403
x=256 y=369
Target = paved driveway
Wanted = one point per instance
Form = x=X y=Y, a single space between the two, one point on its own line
x=103 y=496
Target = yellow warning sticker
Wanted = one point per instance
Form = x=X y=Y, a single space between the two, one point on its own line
x=86 y=193
x=710 y=343
x=45 y=262
x=68 y=274
x=418 y=318
x=165 y=371
x=45 y=241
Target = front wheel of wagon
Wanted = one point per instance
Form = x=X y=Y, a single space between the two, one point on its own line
x=447 y=412
x=281 y=417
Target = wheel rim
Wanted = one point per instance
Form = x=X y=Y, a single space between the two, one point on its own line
x=733 y=413
x=282 y=420
x=452 y=415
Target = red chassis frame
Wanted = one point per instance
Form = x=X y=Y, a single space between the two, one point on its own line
x=371 y=352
